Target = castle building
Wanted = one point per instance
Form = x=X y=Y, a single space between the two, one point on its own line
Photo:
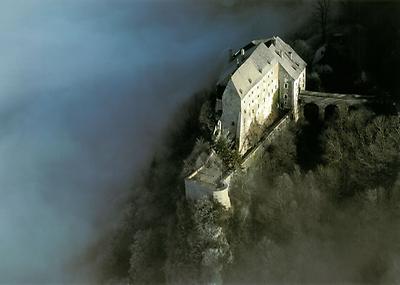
x=261 y=77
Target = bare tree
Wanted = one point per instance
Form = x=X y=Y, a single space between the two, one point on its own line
x=322 y=8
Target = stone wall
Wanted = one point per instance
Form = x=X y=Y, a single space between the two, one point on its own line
x=258 y=150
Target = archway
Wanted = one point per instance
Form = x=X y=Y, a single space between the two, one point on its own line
x=331 y=112
x=311 y=112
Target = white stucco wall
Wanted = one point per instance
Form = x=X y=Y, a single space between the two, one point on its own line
x=303 y=80
x=285 y=89
x=292 y=91
x=257 y=104
x=195 y=190
x=298 y=84
x=222 y=197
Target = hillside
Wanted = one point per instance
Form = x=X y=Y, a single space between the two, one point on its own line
x=321 y=204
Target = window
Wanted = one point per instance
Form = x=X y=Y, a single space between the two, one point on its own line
x=233 y=123
x=286 y=85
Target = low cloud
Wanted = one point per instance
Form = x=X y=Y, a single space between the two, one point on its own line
x=86 y=89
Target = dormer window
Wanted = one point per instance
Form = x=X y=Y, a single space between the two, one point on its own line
x=250 y=80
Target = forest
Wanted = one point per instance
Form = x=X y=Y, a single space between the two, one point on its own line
x=321 y=205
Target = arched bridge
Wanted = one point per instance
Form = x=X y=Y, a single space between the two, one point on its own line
x=330 y=103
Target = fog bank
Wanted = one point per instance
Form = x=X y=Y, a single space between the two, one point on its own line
x=86 y=87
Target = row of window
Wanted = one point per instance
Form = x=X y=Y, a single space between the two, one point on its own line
x=269 y=94
x=252 y=102
x=268 y=89
x=264 y=90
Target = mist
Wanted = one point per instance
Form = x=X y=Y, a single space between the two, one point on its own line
x=87 y=87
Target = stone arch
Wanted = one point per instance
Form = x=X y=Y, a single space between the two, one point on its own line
x=311 y=112
x=331 y=112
